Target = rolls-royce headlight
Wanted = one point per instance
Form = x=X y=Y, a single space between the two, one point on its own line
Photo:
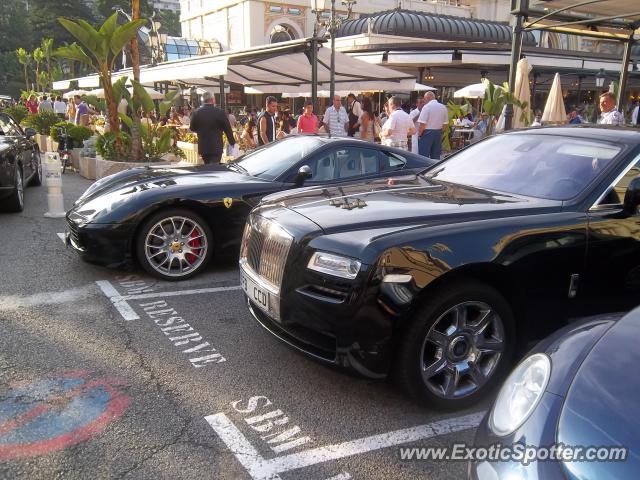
x=520 y=394
x=337 y=265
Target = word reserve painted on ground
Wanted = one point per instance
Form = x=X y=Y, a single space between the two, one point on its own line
x=182 y=334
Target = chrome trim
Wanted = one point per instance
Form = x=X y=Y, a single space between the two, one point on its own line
x=595 y=206
x=250 y=272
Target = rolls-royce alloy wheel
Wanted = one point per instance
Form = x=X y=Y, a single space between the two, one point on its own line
x=174 y=244
x=15 y=202
x=458 y=346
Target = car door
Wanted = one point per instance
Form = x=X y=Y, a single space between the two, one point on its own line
x=612 y=282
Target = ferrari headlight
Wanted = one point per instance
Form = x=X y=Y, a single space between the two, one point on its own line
x=520 y=394
x=337 y=265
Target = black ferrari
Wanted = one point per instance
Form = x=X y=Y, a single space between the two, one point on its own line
x=173 y=220
x=20 y=163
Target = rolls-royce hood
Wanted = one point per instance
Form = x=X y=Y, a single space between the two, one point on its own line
x=408 y=200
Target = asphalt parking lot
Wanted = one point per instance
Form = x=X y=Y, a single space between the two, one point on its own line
x=112 y=374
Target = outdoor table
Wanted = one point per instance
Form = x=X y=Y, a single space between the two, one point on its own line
x=466 y=133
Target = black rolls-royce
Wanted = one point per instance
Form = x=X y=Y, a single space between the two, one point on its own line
x=172 y=220
x=440 y=278
x=20 y=163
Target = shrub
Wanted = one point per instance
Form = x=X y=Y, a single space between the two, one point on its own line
x=114 y=147
x=41 y=122
x=17 y=112
x=54 y=132
x=79 y=133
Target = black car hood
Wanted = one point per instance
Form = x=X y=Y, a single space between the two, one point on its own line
x=411 y=199
x=138 y=180
x=601 y=407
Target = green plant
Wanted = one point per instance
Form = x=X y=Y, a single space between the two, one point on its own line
x=95 y=102
x=99 y=50
x=113 y=146
x=55 y=130
x=79 y=134
x=156 y=140
x=17 y=112
x=24 y=58
x=41 y=122
x=38 y=58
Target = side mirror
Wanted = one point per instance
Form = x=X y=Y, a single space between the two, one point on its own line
x=632 y=197
x=303 y=174
x=30 y=132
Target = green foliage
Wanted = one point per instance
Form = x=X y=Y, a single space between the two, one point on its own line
x=105 y=7
x=43 y=15
x=41 y=122
x=97 y=103
x=55 y=130
x=17 y=112
x=80 y=133
x=170 y=23
x=114 y=146
x=15 y=32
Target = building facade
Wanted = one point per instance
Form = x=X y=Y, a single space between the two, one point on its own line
x=171 y=5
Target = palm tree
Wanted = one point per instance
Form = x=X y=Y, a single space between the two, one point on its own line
x=24 y=58
x=99 y=49
x=136 y=139
x=38 y=57
x=47 y=50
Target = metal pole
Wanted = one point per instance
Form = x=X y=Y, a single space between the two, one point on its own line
x=314 y=68
x=332 y=89
x=516 y=50
x=222 y=99
x=624 y=73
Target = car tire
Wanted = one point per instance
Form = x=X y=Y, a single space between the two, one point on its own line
x=15 y=202
x=36 y=179
x=174 y=244
x=457 y=347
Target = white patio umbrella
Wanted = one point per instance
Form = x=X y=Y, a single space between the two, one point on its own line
x=470 y=91
x=98 y=92
x=73 y=93
x=522 y=93
x=154 y=94
x=420 y=87
x=554 y=111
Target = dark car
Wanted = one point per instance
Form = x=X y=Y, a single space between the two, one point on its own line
x=20 y=163
x=172 y=220
x=440 y=277
x=576 y=396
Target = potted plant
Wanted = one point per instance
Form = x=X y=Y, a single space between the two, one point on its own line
x=42 y=122
x=189 y=145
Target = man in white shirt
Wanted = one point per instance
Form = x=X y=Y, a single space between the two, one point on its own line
x=431 y=120
x=609 y=116
x=414 y=114
x=398 y=127
x=60 y=107
x=336 y=118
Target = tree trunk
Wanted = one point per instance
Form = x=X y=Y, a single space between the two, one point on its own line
x=112 y=110
x=26 y=77
x=49 y=74
x=38 y=77
x=136 y=140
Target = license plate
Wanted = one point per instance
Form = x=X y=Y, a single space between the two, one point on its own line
x=258 y=295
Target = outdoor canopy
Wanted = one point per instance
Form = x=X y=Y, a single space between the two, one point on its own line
x=277 y=68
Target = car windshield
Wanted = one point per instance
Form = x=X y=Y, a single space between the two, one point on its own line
x=543 y=166
x=273 y=160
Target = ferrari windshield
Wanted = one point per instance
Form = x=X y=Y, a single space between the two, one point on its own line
x=273 y=160
x=544 y=166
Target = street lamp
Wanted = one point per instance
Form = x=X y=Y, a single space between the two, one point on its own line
x=600 y=78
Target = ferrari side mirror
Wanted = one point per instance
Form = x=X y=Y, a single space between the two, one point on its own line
x=303 y=173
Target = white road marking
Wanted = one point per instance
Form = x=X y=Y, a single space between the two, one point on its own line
x=181 y=292
x=13 y=302
x=121 y=305
x=268 y=469
x=341 y=476
x=61 y=236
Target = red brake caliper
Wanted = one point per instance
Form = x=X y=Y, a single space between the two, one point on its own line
x=194 y=244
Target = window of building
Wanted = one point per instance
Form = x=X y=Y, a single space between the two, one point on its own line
x=282 y=33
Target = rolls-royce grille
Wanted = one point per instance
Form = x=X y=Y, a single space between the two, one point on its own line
x=265 y=246
x=73 y=233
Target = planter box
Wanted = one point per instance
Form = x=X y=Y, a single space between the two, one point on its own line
x=104 y=168
x=88 y=167
x=75 y=157
x=42 y=141
x=191 y=153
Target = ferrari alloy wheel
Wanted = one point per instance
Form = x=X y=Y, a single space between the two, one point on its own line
x=174 y=245
x=458 y=346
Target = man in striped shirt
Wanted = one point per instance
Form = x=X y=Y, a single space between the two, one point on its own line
x=336 y=119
